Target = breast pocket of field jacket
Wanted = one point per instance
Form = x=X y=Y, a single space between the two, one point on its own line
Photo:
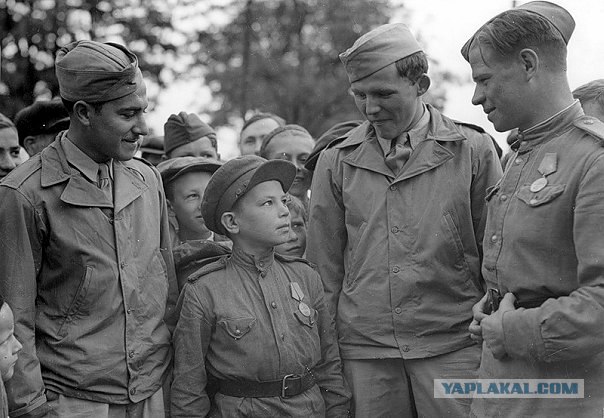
x=542 y=197
x=237 y=328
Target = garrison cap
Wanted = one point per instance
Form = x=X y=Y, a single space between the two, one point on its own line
x=559 y=17
x=153 y=144
x=287 y=131
x=173 y=168
x=96 y=72
x=235 y=178
x=184 y=128
x=378 y=49
x=42 y=117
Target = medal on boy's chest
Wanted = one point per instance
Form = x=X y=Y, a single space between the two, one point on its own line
x=548 y=165
x=298 y=295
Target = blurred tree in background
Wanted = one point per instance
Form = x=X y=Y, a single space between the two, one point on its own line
x=270 y=55
x=31 y=32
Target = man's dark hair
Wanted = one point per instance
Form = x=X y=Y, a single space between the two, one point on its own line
x=591 y=92
x=511 y=31
x=412 y=66
x=262 y=115
x=69 y=105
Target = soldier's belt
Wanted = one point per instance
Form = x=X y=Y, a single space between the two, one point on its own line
x=290 y=385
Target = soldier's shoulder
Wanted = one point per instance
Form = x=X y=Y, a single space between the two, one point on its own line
x=24 y=171
x=470 y=126
x=210 y=267
x=591 y=126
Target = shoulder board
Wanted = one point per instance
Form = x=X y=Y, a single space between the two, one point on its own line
x=22 y=172
x=290 y=259
x=592 y=126
x=213 y=264
x=469 y=125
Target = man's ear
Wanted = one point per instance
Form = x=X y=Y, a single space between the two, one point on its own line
x=423 y=84
x=529 y=61
x=229 y=222
x=28 y=144
x=82 y=112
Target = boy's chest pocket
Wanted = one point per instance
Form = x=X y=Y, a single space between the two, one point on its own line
x=546 y=195
x=237 y=328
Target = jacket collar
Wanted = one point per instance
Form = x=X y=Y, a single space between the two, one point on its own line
x=429 y=154
x=128 y=182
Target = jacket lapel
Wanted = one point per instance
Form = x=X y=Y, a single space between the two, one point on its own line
x=367 y=155
x=127 y=186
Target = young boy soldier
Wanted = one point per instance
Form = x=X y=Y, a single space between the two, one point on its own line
x=257 y=322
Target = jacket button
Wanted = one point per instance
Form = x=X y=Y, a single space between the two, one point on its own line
x=406 y=348
x=131 y=354
x=123 y=265
x=494 y=238
x=273 y=305
x=398 y=310
x=396 y=269
x=395 y=229
x=504 y=197
x=392 y=188
x=129 y=311
x=517 y=160
x=133 y=391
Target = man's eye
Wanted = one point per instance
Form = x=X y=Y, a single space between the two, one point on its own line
x=360 y=96
x=15 y=153
x=268 y=203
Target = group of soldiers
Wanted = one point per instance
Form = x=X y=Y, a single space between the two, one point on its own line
x=334 y=277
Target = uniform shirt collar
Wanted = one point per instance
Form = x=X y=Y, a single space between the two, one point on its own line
x=417 y=133
x=544 y=130
x=82 y=162
x=259 y=263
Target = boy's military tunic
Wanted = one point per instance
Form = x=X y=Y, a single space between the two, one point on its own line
x=241 y=319
x=544 y=242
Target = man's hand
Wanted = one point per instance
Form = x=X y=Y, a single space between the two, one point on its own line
x=492 y=327
x=478 y=313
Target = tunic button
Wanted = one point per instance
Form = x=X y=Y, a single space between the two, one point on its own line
x=392 y=188
x=129 y=311
x=131 y=354
x=588 y=122
x=518 y=161
x=395 y=230
x=406 y=348
x=504 y=197
x=263 y=274
x=238 y=331
x=261 y=264
x=533 y=201
x=282 y=337
x=123 y=264
x=133 y=391
x=273 y=305
x=494 y=238
x=398 y=310
x=396 y=269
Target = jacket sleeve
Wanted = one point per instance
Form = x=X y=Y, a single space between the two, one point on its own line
x=328 y=372
x=569 y=327
x=486 y=172
x=191 y=340
x=327 y=235
x=22 y=232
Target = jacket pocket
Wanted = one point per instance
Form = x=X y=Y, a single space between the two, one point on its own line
x=546 y=195
x=237 y=327
x=76 y=303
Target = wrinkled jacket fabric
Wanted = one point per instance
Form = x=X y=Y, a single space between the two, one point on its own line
x=400 y=257
x=89 y=289
x=548 y=246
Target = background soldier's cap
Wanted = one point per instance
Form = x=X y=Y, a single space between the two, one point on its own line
x=42 y=117
x=377 y=49
x=326 y=138
x=559 y=17
x=173 y=168
x=153 y=144
x=96 y=72
x=288 y=131
x=235 y=178
x=184 y=128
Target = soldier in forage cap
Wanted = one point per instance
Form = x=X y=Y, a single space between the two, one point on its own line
x=542 y=314
x=85 y=250
x=185 y=135
x=39 y=124
x=395 y=230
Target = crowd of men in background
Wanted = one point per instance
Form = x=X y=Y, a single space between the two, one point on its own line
x=176 y=284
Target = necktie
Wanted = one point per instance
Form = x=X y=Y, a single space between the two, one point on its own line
x=104 y=180
x=399 y=154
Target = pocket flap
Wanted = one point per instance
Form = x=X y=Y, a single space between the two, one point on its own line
x=237 y=327
x=547 y=194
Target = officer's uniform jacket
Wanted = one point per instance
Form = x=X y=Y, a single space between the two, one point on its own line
x=400 y=256
x=240 y=321
x=88 y=280
x=546 y=246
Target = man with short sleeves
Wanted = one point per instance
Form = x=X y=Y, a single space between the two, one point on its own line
x=85 y=257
